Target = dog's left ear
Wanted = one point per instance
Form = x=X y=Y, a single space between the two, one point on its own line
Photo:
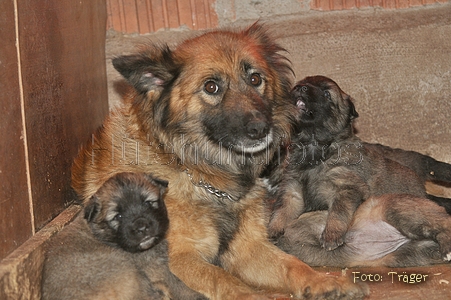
x=92 y=209
x=353 y=114
x=162 y=184
x=147 y=70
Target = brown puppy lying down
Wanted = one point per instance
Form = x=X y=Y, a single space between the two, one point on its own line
x=395 y=230
x=115 y=249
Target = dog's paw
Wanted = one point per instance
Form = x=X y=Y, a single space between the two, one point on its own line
x=264 y=297
x=447 y=257
x=446 y=253
x=444 y=241
x=331 y=240
x=275 y=230
x=331 y=287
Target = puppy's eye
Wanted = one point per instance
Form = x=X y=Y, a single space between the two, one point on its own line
x=151 y=204
x=255 y=79
x=327 y=94
x=304 y=88
x=117 y=217
x=211 y=87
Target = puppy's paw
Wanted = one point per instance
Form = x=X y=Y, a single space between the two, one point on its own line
x=444 y=241
x=332 y=239
x=277 y=225
x=446 y=253
x=331 y=287
x=264 y=297
x=447 y=257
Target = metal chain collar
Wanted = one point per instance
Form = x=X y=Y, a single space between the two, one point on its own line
x=208 y=187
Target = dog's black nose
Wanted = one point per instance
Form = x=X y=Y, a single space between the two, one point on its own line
x=141 y=226
x=257 y=129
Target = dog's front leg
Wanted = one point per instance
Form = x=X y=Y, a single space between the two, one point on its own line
x=343 y=191
x=193 y=246
x=213 y=281
x=261 y=264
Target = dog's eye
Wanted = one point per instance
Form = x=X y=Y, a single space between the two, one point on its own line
x=211 y=87
x=117 y=217
x=327 y=94
x=256 y=79
x=151 y=204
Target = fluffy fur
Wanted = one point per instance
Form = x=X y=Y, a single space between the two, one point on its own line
x=115 y=248
x=207 y=116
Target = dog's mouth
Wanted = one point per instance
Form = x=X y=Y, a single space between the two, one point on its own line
x=147 y=243
x=254 y=146
x=300 y=104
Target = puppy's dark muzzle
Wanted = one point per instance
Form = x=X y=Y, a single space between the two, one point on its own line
x=141 y=227
x=300 y=97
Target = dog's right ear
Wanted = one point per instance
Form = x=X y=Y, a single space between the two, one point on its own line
x=147 y=70
x=92 y=209
x=353 y=114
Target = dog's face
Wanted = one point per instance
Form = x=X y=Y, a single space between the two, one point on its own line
x=222 y=91
x=323 y=106
x=128 y=211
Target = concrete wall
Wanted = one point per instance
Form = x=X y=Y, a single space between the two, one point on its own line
x=230 y=11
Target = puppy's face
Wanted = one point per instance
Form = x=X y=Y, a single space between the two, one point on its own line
x=128 y=211
x=322 y=105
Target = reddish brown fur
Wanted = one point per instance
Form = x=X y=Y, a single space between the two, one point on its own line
x=216 y=246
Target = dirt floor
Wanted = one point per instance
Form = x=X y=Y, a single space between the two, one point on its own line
x=396 y=65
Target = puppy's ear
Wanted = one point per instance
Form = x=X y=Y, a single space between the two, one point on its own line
x=162 y=184
x=92 y=208
x=147 y=70
x=353 y=114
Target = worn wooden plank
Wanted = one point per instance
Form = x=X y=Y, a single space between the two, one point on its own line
x=20 y=272
x=65 y=92
x=15 y=217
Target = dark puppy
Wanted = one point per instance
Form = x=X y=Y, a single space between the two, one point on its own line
x=115 y=249
x=329 y=168
x=395 y=230
x=128 y=211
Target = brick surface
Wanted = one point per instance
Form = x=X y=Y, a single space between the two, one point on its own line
x=144 y=16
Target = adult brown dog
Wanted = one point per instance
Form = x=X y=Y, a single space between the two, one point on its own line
x=115 y=249
x=207 y=116
x=330 y=168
